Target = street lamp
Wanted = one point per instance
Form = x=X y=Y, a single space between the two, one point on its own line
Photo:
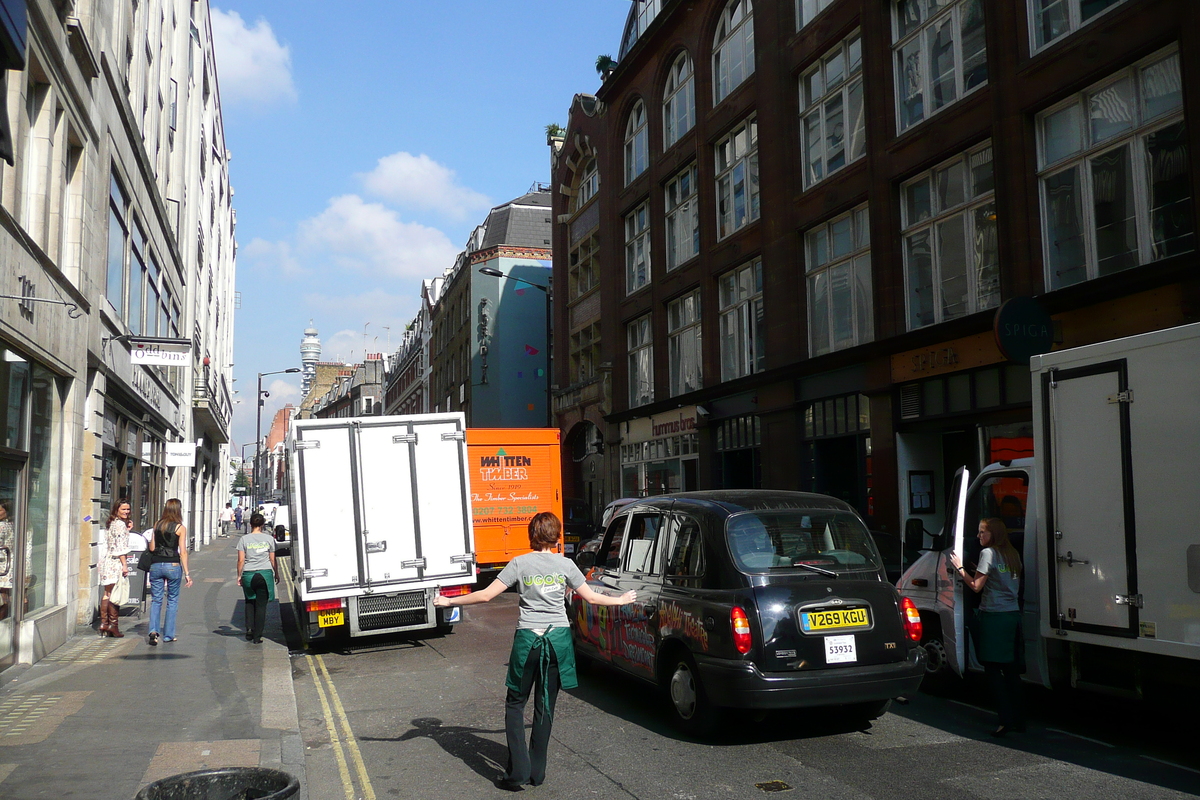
x=495 y=273
x=258 y=438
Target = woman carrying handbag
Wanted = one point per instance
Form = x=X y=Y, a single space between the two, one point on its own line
x=112 y=566
x=168 y=569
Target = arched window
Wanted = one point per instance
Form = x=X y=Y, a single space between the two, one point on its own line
x=587 y=185
x=679 y=109
x=636 y=147
x=733 y=48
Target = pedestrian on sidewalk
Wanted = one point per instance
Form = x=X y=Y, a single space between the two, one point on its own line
x=998 y=579
x=168 y=569
x=113 y=566
x=543 y=655
x=226 y=519
x=237 y=519
x=256 y=574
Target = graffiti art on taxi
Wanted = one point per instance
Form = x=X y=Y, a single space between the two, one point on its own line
x=617 y=630
x=673 y=619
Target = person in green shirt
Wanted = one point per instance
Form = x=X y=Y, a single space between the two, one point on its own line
x=256 y=573
x=543 y=655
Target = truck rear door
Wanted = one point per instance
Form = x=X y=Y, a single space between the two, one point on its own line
x=1090 y=521
x=326 y=495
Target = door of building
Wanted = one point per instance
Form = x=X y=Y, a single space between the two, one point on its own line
x=10 y=532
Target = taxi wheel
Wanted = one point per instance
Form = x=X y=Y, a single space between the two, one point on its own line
x=693 y=713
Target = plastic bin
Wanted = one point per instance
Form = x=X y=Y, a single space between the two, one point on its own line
x=229 y=783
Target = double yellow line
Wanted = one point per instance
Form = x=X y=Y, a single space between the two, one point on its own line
x=336 y=722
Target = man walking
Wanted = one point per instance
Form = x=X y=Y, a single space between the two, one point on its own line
x=226 y=519
x=237 y=516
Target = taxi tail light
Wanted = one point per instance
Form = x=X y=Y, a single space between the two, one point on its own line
x=454 y=591
x=741 y=629
x=912 y=619
x=325 y=605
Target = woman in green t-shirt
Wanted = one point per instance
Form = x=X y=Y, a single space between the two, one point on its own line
x=256 y=573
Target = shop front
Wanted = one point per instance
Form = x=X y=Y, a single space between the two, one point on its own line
x=660 y=454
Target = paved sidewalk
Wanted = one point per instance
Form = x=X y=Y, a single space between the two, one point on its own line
x=99 y=718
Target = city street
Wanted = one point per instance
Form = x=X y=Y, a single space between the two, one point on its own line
x=423 y=718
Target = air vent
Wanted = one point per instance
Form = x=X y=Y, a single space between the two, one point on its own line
x=910 y=401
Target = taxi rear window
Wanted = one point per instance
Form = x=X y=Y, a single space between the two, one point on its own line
x=762 y=541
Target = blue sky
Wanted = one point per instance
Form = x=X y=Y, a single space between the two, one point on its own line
x=368 y=139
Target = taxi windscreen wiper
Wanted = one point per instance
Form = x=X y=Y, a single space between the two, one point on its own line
x=819 y=570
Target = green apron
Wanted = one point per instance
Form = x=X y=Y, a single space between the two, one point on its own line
x=998 y=631
x=526 y=640
x=268 y=576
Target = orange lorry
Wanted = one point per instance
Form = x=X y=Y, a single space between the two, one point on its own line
x=514 y=473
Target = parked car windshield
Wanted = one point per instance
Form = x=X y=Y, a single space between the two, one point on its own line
x=794 y=538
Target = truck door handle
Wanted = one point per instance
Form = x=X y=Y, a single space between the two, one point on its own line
x=377 y=547
x=1071 y=561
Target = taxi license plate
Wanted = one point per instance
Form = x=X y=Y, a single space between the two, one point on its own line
x=330 y=619
x=834 y=619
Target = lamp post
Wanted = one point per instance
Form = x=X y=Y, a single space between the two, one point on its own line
x=254 y=497
x=495 y=273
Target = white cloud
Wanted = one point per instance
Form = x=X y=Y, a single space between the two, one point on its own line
x=253 y=68
x=383 y=319
x=421 y=182
x=370 y=237
x=276 y=256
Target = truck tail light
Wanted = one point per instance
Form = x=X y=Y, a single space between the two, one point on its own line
x=912 y=619
x=325 y=605
x=741 y=629
x=455 y=591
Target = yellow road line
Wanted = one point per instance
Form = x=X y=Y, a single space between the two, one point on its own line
x=363 y=778
x=343 y=769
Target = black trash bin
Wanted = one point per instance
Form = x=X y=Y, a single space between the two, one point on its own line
x=229 y=783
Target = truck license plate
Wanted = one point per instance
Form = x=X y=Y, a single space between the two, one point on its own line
x=330 y=619
x=840 y=649
x=834 y=619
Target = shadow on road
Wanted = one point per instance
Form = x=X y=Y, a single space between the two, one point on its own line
x=486 y=758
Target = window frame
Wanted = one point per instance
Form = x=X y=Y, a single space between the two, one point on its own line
x=747 y=161
x=679 y=326
x=680 y=86
x=581 y=263
x=681 y=210
x=587 y=184
x=952 y=10
x=636 y=345
x=859 y=253
x=737 y=20
x=637 y=248
x=637 y=142
x=817 y=6
x=942 y=216
x=654 y=552
x=818 y=107
x=1075 y=21
x=1133 y=141
x=675 y=523
x=750 y=329
x=119 y=216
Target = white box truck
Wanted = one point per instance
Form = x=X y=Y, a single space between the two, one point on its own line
x=381 y=522
x=1106 y=516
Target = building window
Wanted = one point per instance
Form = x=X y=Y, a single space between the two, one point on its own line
x=733 y=48
x=588 y=185
x=831 y=103
x=137 y=280
x=684 y=354
x=641 y=362
x=637 y=249
x=807 y=10
x=941 y=55
x=951 y=261
x=741 y=310
x=839 y=283
x=737 y=443
x=585 y=353
x=118 y=236
x=683 y=218
x=737 y=178
x=636 y=138
x=1115 y=182
x=582 y=269
x=1052 y=19
x=679 y=109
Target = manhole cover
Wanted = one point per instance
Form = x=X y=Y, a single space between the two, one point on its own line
x=773 y=786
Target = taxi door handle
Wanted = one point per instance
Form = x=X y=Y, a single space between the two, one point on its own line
x=649 y=608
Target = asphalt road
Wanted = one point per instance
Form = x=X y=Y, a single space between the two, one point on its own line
x=423 y=718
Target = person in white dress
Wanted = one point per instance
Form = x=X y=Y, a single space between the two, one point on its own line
x=112 y=565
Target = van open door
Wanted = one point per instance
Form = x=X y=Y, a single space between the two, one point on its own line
x=951 y=590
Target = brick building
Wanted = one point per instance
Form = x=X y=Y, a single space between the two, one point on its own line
x=785 y=229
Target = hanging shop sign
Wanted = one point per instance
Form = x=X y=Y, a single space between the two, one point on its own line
x=159 y=350
x=181 y=454
x=979 y=350
x=1023 y=329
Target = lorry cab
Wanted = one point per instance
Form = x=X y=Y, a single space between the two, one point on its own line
x=1003 y=490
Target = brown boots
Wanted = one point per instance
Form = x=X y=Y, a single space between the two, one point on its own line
x=109 y=616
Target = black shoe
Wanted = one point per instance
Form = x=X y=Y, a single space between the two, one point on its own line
x=249 y=637
x=509 y=786
x=152 y=640
x=258 y=640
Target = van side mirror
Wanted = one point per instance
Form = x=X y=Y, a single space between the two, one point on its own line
x=585 y=560
x=939 y=542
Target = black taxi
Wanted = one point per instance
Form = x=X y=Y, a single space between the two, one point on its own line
x=750 y=599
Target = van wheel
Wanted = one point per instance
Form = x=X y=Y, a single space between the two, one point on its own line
x=936 y=659
x=693 y=713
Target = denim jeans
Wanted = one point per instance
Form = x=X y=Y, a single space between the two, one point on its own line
x=168 y=576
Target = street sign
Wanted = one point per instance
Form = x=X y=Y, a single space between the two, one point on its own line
x=1023 y=329
x=181 y=454
x=160 y=350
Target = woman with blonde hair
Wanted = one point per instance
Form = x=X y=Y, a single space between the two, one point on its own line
x=168 y=568
x=112 y=566
x=998 y=578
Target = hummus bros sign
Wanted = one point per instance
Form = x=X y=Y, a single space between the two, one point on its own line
x=669 y=423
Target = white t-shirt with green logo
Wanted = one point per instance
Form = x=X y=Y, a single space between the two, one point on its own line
x=542 y=578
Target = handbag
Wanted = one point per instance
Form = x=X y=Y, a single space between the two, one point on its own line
x=145 y=559
x=120 y=592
